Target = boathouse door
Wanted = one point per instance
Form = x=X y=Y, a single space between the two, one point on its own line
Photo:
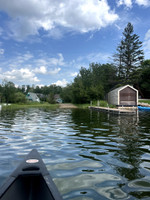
x=128 y=96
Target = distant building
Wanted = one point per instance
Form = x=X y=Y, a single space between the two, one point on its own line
x=32 y=97
x=57 y=98
x=123 y=96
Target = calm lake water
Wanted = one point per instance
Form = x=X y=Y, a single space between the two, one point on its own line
x=90 y=155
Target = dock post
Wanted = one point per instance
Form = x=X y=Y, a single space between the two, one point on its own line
x=91 y=103
x=108 y=107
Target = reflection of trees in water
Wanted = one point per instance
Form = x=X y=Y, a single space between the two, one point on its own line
x=129 y=152
x=128 y=124
x=86 y=117
x=7 y=117
x=134 y=131
x=123 y=130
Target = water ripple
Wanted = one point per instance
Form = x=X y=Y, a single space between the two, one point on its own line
x=90 y=155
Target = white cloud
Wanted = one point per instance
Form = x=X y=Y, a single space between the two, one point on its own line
x=27 y=69
x=54 y=71
x=74 y=74
x=96 y=57
x=147 y=36
x=41 y=70
x=28 y=17
x=128 y=3
x=146 y=44
x=99 y=57
x=1 y=51
x=57 y=61
x=143 y=2
x=22 y=75
x=61 y=83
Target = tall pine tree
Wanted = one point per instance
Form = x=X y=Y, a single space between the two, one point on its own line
x=130 y=55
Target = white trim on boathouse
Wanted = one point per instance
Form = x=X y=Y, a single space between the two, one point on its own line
x=123 y=96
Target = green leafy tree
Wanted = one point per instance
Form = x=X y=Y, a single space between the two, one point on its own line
x=9 y=91
x=91 y=84
x=103 y=77
x=50 y=98
x=66 y=93
x=144 y=81
x=19 y=97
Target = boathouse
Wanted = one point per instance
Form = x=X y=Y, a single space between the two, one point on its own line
x=123 y=96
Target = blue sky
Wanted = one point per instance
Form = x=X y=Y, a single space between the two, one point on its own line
x=44 y=42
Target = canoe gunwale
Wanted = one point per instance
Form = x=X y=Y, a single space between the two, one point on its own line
x=29 y=171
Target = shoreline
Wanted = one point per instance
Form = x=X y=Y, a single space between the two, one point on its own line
x=67 y=105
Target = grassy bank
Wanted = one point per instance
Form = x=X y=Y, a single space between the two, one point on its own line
x=101 y=103
x=144 y=101
x=54 y=106
x=29 y=105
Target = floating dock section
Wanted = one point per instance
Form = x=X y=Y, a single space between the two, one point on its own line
x=129 y=111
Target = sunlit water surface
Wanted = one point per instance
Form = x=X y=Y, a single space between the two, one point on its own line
x=90 y=155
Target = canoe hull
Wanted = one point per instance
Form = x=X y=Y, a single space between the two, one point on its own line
x=30 y=182
x=144 y=108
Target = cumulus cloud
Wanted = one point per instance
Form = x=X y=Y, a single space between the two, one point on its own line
x=20 y=75
x=41 y=70
x=61 y=83
x=28 y=17
x=26 y=68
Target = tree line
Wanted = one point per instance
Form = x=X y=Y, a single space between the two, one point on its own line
x=9 y=93
x=94 y=82
x=128 y=67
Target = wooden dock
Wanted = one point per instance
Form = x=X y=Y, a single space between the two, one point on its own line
x=129 y=111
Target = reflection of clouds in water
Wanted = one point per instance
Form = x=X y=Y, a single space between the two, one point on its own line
x=84 y=181
x=113 y=193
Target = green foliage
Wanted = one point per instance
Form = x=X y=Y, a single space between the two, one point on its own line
x=8 y=91
x=90 y=84
x=50 y=98
x=20 y=97
x=102 y=103
x=10 y=94
x=129 y=56
x=145 y=101
x=144 y=80
x=30 y=105
x=66 y=93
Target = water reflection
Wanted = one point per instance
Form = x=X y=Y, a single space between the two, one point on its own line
x=118 y=142
x=90 y=155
